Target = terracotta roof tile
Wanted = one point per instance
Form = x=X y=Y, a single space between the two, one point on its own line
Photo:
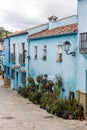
x=72 y=28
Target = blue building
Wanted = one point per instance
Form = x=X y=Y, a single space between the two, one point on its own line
x=58 y=47
x=32 y=51
x=47 y=55
x=14 y=61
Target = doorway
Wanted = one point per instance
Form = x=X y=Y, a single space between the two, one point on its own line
x=16 y=80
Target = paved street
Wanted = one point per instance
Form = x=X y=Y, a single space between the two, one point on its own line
x=17 y=113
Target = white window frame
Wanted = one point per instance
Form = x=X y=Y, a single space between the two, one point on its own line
x=59 y=53
x=45 y=53
x=35 y=52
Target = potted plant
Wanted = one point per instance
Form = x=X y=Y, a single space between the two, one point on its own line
x=44 y=57
x=35 y=56
x=39 y=78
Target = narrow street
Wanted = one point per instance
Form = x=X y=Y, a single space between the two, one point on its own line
x=17 y=113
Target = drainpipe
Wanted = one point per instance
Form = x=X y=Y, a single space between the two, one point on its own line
x=9 y=53
x=9 y=45
x=9 y=48
x=28 y=54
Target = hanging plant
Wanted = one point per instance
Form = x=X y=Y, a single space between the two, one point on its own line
x=39 y=78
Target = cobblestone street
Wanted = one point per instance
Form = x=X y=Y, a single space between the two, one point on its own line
x=17 y=113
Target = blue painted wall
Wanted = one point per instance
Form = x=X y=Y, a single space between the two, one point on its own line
x=67 y=67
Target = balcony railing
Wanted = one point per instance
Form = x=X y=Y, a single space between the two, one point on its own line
x=83 y=43
x=13 y=57
x=21 y=59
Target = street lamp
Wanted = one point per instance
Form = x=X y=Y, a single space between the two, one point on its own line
x=66 y=47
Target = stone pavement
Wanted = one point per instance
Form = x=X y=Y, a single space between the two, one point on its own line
x=17 y=113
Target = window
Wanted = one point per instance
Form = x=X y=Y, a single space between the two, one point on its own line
x=45 y=53
x=83 y=41
x=35 y=52
x=59 y=53
x=9 y=50
x=8 y=71
x=14 y=49
x=4 y=68
x=23 y=78
x=23 y=52
x=13 y=73
x=13 y=54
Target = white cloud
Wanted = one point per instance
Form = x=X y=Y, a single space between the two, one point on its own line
x=20 y=14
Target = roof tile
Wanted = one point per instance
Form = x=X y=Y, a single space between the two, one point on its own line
x=72 y=28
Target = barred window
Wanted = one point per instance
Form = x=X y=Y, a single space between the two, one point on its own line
x=83 y=40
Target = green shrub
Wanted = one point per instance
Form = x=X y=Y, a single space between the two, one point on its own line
x=36 y=97
x=46 y=99
x=19 y=90
x=23 y=91
x=51 y=100
x=57 y=91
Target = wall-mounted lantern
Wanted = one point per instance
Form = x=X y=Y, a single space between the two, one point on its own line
x=66 y=47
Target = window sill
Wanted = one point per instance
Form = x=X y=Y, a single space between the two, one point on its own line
x=44 y=58
x=22 y=64
x=58 y=60
x=13 y=62
x=35 y=58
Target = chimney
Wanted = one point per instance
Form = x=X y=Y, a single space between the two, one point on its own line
x=52 y=18
x=52 y=21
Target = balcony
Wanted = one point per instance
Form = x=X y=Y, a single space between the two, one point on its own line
x=83 y=43
x=21 y=59
x=13 y=57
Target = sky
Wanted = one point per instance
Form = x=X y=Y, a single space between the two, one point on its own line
x=17 y=15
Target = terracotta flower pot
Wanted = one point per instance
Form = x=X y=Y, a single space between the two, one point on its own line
x=80 y=118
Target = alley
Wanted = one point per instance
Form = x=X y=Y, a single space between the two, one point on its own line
x=17 y=113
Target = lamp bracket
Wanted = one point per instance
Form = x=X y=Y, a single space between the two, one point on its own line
x=71 y=53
